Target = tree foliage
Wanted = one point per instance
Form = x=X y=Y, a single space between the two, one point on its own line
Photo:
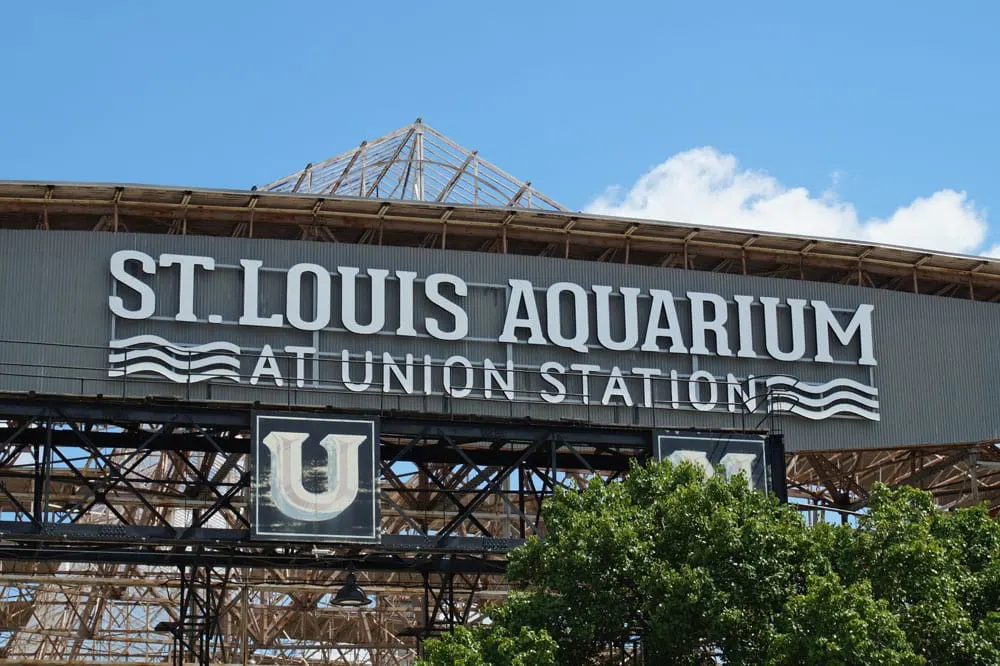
x=683 y=569
x=492 y=646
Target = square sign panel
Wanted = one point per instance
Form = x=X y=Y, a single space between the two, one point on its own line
x=315 y=478
x=760 y=457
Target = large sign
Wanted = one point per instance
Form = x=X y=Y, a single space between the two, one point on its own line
x=371 y=304
x=314 y=478
x=371 y=329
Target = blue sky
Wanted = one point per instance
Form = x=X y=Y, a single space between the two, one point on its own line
x=827 y=118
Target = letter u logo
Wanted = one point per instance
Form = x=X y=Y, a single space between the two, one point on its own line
x=287 y=491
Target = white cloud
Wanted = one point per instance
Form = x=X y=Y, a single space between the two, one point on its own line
x=706 y=187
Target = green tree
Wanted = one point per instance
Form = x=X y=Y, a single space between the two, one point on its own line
x=834 y=625
x=490 y=646
x=692 y=565
x=937 y=570
x=695 y=569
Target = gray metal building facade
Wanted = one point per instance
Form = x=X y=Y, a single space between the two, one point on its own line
x=935 y=375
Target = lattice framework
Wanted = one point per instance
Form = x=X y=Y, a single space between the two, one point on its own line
x=414 y=163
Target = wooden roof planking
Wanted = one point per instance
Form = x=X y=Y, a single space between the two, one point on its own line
x=530 y=231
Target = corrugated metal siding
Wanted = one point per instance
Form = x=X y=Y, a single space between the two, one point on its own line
x=937 y=372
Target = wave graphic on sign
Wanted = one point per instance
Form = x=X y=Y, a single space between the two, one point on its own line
x=184 y=364
x=821 y=401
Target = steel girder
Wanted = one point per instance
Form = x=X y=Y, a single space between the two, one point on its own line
x=118 y=517
x=956 y=475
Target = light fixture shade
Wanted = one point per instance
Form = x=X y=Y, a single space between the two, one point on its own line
x=351 y=594
x=166 y=627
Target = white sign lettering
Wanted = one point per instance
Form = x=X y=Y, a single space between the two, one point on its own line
x=578 y=319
